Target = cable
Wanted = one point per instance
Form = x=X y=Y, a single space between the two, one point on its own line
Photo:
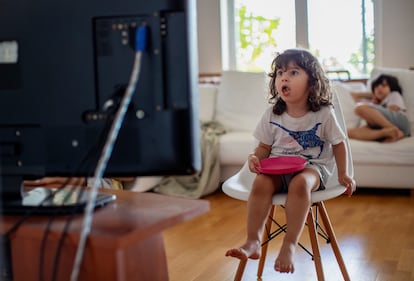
x=29 y=212
x=141 y=34
x=140 y=46
x=91 y=154
x=84 y=166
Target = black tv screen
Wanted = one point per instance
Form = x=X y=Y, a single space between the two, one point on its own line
x=64 y=67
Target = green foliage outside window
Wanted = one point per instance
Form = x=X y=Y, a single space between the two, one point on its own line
x=257 y=41
x=255 y=38
x=364 y=65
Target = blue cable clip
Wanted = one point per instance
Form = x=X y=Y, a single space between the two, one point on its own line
x=141 y=38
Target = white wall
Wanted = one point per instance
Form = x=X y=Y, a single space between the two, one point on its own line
x=209 y=41
x=394 y=24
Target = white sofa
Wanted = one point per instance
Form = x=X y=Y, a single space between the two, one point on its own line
x=240 y=99
x=384 y=165
x=236 y=103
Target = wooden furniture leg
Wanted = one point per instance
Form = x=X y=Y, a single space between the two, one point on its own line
x=240 y=270
x=265 y=242
x=335 y=247
x=315 y=245
x=313 y=234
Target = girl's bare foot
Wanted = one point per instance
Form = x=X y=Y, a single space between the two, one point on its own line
x=394 y=134
x=284 y=262
x=250 y=249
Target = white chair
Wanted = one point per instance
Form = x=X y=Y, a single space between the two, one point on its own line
x=238 y=186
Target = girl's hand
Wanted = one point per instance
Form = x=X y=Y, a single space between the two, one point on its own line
x=376 y=100
x=349 y=183
x=394 y=107
x=254 y=163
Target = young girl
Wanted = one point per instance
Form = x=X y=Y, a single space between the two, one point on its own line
x=301 y=123
x=385 y=115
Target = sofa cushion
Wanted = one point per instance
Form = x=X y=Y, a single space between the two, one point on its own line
x=235 y=147
x=380 y=153
x=241 y=100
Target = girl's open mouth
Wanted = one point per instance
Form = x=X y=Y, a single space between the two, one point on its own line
x=285 y=90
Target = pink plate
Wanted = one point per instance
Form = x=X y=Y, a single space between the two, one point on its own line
x=282 y=165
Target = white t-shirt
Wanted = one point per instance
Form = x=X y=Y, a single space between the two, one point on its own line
x=310 y=136
x=396 y=99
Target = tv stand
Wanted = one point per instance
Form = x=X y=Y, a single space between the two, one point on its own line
x=125 y=242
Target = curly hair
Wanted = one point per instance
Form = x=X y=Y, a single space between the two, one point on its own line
x=320 y=92
x=390 y=80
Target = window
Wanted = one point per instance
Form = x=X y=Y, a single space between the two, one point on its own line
x=339 y=33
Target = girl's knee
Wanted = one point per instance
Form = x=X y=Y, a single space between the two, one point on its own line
x=365 y=111
x=304 y=183
x=361 y=108
x=299 y=188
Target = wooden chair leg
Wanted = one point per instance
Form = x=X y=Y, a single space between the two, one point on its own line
x=314 y=242
x=335 y=247
x=266 y=231
x=240 y=270
x=315 y=245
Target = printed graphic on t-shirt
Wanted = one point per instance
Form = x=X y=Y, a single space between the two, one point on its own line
x=307 y=139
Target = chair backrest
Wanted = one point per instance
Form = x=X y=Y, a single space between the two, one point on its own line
x=333 y=180
x=238 y=186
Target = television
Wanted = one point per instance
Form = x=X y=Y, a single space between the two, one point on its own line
x=65 y=66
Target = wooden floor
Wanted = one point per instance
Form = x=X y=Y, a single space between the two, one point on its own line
x=375 y=231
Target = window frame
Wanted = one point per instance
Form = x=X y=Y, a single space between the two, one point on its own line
x=228 y=38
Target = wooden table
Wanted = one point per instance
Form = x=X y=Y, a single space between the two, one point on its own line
x=125 y=242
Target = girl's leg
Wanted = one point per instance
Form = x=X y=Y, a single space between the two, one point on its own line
x=372 y=116
x=367 y=133
x=258 y=206
x=387 y=130
x=297 y=207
